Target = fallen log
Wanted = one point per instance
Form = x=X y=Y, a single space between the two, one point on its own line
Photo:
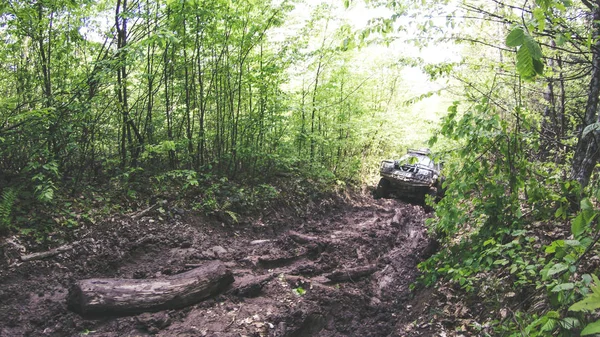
x=93 y=297
x=351 y=274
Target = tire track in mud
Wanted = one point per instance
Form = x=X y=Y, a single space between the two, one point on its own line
x=281 y=266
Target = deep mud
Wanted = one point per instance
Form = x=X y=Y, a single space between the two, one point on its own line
x=281 y=286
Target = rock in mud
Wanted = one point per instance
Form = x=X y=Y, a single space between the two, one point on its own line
x=153 y=323
x=215 y=251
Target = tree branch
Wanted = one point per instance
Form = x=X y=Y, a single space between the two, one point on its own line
x=588 y=4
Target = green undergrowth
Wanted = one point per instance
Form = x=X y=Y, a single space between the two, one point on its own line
x=51 y=219
x=514 y=250
x=526 y=279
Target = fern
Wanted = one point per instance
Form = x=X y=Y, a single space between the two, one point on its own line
x=7 y=201
x=233 y=215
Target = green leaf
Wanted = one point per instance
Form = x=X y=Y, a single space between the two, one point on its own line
x=525 y=63
x=591 y=301
x=554 y=245
x=519 y=213
x=570 y=323
x=573 y=243
x=533 y=46
x=299 y=291
x=515 y=37
x=586 y=204
x=502 y=262
x=540 y=17
x=590 y=128
x=544 y=4
x=559 y=212
x=557 y=268
x=529 y=57
x=548 y=326
x=578 y=225
x=592 y=328
x=538 y=66
x=563 y=286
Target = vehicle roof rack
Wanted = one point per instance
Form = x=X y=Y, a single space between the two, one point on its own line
x=424 y=151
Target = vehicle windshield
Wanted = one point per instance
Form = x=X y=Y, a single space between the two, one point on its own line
x=413 y=159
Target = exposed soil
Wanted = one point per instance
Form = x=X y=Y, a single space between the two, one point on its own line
x=345 y=270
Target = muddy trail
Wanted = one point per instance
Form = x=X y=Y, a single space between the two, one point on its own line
x=344 y=270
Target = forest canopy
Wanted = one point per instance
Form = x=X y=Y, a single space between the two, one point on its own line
x=91 y=90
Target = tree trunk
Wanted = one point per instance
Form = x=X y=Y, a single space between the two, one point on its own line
x=167 y=71
x=188 y=116
x=314 y=110
x=586 y=153
x=93 y=297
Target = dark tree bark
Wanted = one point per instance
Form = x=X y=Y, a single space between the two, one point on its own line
x=45 y=52
x=314 y=110
x=586 y=154
x=188 y=89
x=549 y=120
x=94 y=297
x=121 y=26
x=167 y=72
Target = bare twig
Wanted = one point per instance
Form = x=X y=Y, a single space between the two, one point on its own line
x=49 y=253
x=144 y=212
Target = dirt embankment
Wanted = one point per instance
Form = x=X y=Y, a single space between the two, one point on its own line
x=344 y=270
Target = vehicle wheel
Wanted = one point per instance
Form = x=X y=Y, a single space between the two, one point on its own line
x=383 y=189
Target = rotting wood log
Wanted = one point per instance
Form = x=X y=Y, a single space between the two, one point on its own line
x=96 y=297
x=351 y=274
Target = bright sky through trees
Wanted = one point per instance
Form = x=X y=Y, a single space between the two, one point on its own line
x=413 y=85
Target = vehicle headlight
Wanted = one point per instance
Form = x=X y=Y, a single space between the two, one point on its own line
x=387 y=166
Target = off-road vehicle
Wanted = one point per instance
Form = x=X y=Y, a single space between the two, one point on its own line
x=414 y=176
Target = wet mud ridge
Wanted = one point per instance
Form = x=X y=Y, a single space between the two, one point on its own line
x=343 y=271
